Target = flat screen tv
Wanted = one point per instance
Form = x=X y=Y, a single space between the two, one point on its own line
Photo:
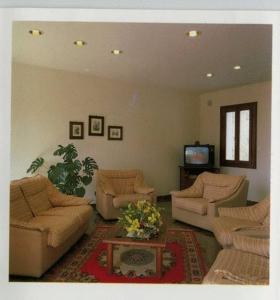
x=199 y=156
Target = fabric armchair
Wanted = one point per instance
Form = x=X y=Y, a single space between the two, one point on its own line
x=115 y=189
x=199 y=204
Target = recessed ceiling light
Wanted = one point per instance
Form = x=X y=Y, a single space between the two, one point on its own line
x=116 y=52
x=80 y=43
x=209 y=75
x=237 y=67
x=193 y=33
x=36 y=32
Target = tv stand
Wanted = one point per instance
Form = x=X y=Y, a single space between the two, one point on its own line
x=188 y=175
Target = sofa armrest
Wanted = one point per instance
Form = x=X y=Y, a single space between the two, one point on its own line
x=259 y=246
x=27 y=226
x=59 y=199
x=70 y=200
x=235 y=212
x=214 y=208
x=28 y=246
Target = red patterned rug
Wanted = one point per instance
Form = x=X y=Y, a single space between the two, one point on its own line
x=182 y=261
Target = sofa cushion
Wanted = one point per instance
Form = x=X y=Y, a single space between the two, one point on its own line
x=83 y=212
x=60 y=227
x=19 y=209
x=224 y=227
x=35 y=193
x=124 y=199
x=196 y=205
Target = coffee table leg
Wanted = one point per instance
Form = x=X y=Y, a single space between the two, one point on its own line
x=110 y=258
x=159 y=261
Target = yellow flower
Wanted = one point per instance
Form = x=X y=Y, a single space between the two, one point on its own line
x=128 y=219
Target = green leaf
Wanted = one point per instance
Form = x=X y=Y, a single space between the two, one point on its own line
x=57 y=173
x=35 y=165
x=89 y=165
x=69 y=152
x=80 y=192
x=72 y=182
x=86 y=180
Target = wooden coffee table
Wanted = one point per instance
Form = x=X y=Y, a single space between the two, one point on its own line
x=117 y=237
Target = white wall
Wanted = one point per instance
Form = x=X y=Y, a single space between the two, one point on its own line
x=210 y=130
x=157 y=123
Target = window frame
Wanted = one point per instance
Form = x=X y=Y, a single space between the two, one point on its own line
x=252 y=163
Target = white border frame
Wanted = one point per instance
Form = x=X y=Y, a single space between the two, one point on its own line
x=128 y=291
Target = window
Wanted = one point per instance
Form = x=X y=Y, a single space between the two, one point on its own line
x=238 y=135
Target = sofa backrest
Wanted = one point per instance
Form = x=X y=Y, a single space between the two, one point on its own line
x=260 y=212
x=34 y=191
x=122 y=180
x=220 y=186
x=19 y=208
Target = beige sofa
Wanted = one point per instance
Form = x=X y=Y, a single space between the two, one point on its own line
x=115 y=189
x=199 y=204
x=247 y=262
x=251 y=220
x=44 y=224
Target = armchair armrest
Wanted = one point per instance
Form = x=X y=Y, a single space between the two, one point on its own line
x=28 y=226
x=191 y=192
x=106 y=186
x=144 y=189
x=140 y=186
x=195 y=191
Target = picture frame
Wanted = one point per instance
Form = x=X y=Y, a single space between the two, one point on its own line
x=115 y=133
x=76 y=130
x=96 y=125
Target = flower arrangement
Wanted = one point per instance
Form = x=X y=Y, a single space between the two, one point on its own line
x=141 y=220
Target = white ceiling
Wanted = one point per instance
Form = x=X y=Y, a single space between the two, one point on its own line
x=153 y=54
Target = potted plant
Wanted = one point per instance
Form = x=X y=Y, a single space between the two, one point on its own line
x=141 y=220
x=70 y=176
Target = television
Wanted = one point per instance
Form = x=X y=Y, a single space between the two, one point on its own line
x=199 y=156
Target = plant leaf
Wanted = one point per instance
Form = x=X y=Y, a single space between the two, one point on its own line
x=71 y=183
x=86 y=180
x=89 y=165
x=35 y=165
x=80 y=191
x=57 y=173
x=69 y=152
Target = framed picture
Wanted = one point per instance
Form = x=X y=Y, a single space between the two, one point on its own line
x=96 y=125
x=115 y=133
x=76 y=130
